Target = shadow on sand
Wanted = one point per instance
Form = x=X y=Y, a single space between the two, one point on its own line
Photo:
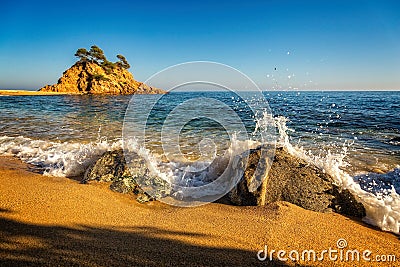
x=23 y=244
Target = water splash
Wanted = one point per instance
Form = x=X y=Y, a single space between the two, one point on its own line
x=60 y=159
x=72 y=159
x=382 y=210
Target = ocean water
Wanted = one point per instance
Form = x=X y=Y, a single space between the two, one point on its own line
x=354 y=136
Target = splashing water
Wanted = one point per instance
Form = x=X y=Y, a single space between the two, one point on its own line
x=55 y=159
x=382 y=211
x=72 y=159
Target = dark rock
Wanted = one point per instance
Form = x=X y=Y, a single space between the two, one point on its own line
x=126 y=178
x=290 y=179
x=345 y=203
x=149 y=182
x=123 y=186
x=109 y=167
x=243 y=194
x=294 y=180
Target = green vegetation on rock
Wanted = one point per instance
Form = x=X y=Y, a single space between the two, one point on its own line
x=94 y=74
x=96 y=55
x=100 y=77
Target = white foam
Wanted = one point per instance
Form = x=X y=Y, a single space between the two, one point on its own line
x=56 y=159
x=381 y=211
x=72 y=158
x=221 y=170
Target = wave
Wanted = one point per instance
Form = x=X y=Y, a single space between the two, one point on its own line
x=382 y=210
x=394 y=141
x=380 y=184
x=65 y=159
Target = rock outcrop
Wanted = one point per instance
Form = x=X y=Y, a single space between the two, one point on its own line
x=294 y=180
x=112 y=167
x=91 y=78
x=290 y=179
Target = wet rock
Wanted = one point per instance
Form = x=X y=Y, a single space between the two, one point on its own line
x=293 y=180
x=290 y=179
x=126 y=178
x=109 y=167
x=245 y=193
x=124 y=186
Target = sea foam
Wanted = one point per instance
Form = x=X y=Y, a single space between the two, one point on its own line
x=381 y=210
x=65 y=159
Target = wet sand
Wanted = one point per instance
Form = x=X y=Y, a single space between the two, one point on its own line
x=49 y=221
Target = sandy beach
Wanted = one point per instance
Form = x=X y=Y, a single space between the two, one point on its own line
x=50 y=221
x=28 y=93
x=200 y=133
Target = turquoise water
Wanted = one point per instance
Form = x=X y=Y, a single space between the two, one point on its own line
x=367 y=122
x=353 y=136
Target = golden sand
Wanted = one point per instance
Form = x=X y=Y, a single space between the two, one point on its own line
x=57 y=221
x=28 y=93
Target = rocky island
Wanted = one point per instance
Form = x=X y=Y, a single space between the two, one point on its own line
x=94 y=74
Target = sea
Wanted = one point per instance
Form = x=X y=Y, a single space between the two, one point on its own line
x=353 y=136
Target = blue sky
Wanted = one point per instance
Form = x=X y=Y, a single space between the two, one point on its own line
x=312 y=44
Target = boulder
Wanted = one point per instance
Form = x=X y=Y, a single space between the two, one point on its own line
x=125 y=178
x=245 y=193
x=293 y=180
x=109 y=167
x=289 y=179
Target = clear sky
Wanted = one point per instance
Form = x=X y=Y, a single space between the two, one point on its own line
x=312 y=44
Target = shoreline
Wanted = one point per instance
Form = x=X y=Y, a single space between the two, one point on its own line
x=40 y=93
x=30 y=93
x=46 y=220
